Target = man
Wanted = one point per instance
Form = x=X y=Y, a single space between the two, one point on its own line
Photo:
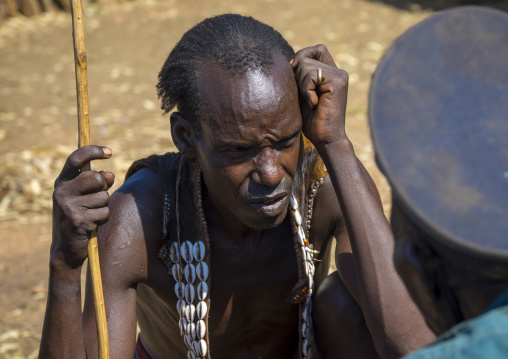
x=438 y=113
x=207 y=248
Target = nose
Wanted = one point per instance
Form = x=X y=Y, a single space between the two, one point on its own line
x=268 y=172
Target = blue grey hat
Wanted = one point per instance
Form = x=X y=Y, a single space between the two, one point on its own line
x=438 y=111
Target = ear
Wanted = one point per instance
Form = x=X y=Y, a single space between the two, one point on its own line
x=183 y=135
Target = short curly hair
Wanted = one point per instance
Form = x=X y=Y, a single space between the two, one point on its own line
x=236 y=43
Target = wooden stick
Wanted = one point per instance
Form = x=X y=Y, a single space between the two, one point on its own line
x=78 y=35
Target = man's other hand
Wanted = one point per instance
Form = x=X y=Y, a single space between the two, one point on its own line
x=80 y=205
x=322 y=104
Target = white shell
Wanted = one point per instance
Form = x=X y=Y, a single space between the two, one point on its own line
x=190 y=312
x=305 y=330
x=174 y=253
x=183 y=324
x=191 y=355
x=188 y=341
x=190 y=293
x=202 y=290
x=303 y=252
x=191 y=330
x=305 y=313
x=298 y=218
x=293 y=203
x=302 y=233
x=201 y=310
x=180 y=306
x=179 y=290
x=311 y=283
x=202 y=271
x=305 y=346
x=300 y=239
x=199 y=250
x=176 y=271
x=200 y=329
x=309 y=268
x=190 y=273
x=186 y=251
x=202 y=347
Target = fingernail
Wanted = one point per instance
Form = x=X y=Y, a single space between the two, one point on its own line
x=107 y=151
x=291 y=62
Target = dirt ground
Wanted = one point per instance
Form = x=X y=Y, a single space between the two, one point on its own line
x=126 y=45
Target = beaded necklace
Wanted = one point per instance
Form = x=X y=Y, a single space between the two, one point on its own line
x=188 y=263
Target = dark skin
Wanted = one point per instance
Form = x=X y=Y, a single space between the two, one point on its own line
x=432 y=280
x=248 y=153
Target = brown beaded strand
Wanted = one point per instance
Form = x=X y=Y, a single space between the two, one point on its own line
x=310 y=207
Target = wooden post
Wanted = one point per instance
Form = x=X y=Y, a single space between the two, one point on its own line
x=30 y=7
x=80 y=62
x=12 y=8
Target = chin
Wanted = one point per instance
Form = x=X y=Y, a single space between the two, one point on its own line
x=266 y=222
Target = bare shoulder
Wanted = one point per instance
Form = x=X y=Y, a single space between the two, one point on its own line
x=326 y=210
x=134 y=227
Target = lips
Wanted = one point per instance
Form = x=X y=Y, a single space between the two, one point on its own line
x=269 y=206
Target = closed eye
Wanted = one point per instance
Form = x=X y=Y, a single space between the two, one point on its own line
x=238 y=149
x=288 y=141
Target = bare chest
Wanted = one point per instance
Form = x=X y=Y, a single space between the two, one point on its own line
x=248 y=292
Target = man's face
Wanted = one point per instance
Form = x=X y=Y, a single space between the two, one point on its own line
x=251 y=141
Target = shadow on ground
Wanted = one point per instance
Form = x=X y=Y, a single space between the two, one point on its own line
x=436 y=5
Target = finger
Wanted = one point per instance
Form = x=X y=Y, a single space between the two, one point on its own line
x=306 y=76
x=108 y=177
x=95 y=200
x=87 y=182
x=80 y=157
x=95 y=217
x=318 y=52
x=308 y=90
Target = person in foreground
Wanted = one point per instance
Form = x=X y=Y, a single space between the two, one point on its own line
x=444 y=151
x=222 y=249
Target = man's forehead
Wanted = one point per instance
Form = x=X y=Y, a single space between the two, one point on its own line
x=224 y=96
x=215 y=81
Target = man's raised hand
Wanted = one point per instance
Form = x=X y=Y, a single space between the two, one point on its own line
x=80 y=204
x=323 y=106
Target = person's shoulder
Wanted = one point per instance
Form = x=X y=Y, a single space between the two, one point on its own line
x=481 y=337
x=142 y=192
x=134 y=230
x=326 y=208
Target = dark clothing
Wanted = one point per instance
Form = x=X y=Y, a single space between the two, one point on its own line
x=483 y=337
x=140 y=351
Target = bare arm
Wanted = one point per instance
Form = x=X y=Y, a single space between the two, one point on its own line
x=394 y=321
x=123 y=256
x=80 y=204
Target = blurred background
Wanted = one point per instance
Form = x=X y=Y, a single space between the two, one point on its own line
x=127 y=43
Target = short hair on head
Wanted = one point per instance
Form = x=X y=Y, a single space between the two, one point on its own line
x=237 y=43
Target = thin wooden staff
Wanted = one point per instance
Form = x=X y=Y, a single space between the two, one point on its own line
x=78 y=34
